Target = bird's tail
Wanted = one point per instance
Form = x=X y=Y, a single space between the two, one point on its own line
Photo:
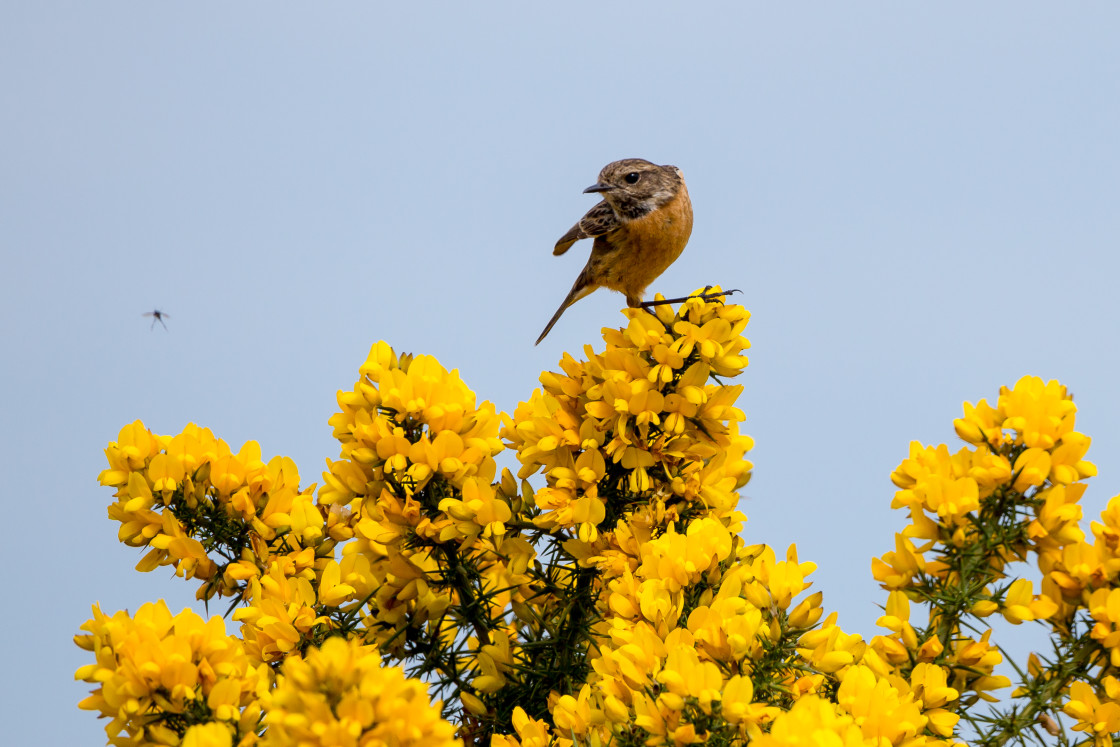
x=580 y=288
x=555 y=318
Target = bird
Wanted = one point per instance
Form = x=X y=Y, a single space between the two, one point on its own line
x=640 y=228
x=157 y=316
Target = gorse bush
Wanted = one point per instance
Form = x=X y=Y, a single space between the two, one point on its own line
x=603 y=595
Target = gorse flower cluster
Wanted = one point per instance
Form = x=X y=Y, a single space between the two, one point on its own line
x=1009 y=498
x=603 y=595
x=161 y=677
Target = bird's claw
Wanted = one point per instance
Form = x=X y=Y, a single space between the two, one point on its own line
x=703 y=295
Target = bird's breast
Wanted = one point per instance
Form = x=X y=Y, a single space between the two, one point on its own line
x=656 y=239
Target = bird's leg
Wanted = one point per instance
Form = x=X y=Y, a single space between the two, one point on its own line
x=704 y=295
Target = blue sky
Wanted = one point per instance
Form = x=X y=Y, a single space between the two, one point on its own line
x=920 y=203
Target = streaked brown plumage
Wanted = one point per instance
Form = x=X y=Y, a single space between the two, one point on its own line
x=641 y=226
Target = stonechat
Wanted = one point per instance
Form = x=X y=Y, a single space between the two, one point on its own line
x=640 y=228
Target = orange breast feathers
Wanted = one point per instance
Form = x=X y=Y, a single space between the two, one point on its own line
x=650 y=244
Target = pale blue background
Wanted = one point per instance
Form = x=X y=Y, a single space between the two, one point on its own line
x=920 y=202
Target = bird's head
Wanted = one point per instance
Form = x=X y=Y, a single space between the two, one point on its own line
x=634 y=186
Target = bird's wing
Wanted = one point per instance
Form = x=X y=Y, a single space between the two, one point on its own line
x=599 y=220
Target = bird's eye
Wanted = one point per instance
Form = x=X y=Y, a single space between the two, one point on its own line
x=632 y=177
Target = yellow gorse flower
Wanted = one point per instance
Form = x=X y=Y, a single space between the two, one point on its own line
x=1098 y=718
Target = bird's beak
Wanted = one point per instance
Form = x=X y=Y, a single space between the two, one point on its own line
x=600 y=187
